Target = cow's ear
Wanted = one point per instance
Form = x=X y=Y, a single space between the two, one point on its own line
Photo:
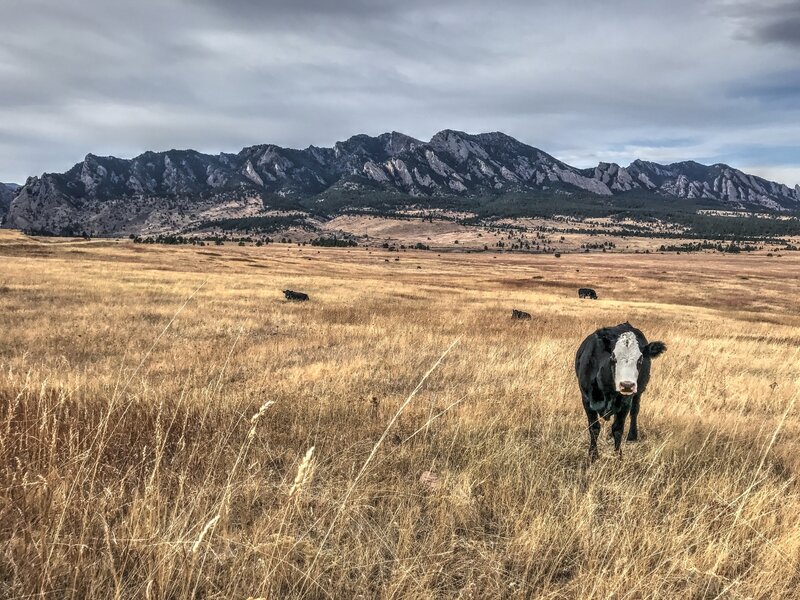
x=605 y=339
x=654 y=349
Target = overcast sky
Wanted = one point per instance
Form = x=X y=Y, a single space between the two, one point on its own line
x=715 y=81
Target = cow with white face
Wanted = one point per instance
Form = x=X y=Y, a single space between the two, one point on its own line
x=613 y=368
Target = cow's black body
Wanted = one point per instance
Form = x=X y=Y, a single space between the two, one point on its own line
x=595 y=371
x=298 y=296
x=520 y=314
x=587 y=293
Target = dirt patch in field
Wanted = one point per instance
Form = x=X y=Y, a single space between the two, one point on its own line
x=531 y=283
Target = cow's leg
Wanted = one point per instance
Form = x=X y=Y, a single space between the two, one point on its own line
x=616 y=429
x=633 y=430
x=594 y=432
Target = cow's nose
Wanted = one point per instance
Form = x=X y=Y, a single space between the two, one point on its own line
x=627 y=386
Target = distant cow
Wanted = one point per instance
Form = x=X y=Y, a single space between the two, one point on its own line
x=298 y=296
x=613 y=368
x=520 y=314
x=587 y=293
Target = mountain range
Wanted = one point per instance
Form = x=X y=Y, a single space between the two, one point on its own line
x=177 y=189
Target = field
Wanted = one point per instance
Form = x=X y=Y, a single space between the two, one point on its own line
x=171 y=427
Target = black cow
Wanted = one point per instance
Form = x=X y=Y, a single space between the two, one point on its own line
x=587 y=293
x=520 y=314
x=613 y=368
x=298 y=296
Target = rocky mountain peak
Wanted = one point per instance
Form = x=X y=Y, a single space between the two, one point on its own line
x=498 y=138
x=458 y=144
x=396 y=143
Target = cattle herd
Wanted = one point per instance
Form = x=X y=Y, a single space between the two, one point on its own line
x=613 y=368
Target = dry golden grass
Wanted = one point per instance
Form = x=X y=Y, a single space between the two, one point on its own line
x=159 y=406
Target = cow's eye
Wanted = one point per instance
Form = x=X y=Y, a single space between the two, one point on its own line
x=639 y=362
x=613 y=359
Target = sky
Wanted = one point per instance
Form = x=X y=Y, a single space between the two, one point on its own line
x=586 y=81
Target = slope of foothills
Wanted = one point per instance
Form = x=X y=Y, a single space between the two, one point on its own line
x=7 y=193
x=488 y=174
x=172 y=427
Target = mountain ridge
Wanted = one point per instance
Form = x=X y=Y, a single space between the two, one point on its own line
x=108 y=195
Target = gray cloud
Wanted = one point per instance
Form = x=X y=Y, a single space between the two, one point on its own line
x=770 y=21
x=584 y=81
x=787 y=31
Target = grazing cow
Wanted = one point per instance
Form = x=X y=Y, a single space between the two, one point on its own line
x=587 y=293
x=298 y=296
x=520 y=314
x=613 y=368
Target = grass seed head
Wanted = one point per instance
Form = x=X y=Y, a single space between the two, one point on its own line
x=201 y=537
x=304 y=474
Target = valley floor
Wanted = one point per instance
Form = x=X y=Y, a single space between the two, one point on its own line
x=159 y=404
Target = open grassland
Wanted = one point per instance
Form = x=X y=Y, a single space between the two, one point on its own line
x=158 y=407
